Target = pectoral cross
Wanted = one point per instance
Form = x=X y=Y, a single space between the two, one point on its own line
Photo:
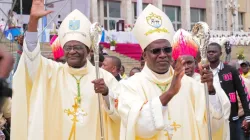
x=78 y=115
x=170 y=128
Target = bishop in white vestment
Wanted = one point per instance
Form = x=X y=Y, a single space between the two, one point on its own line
x=161 y=103
x=55 y=101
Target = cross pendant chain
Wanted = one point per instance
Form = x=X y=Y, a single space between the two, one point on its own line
x=78 y=81
x=162 y=89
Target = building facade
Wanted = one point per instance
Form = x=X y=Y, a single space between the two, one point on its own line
x=179 y=11
x=183 y=13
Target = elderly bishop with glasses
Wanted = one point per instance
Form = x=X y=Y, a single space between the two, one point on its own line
x=162 y=103
x=55 y=101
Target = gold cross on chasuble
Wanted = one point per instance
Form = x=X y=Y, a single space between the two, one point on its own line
x=173 y=127
x=77 y=113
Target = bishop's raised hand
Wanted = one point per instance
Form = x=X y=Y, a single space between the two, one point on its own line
x=175 y=83
x=38 y=9
x=179 y=72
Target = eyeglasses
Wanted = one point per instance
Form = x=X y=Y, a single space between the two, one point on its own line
x=157 y=51
x=75 y=48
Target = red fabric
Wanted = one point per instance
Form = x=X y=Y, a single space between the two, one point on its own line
x=131 y=50
x=19 y=52
x=197 y=70
x=56 y=47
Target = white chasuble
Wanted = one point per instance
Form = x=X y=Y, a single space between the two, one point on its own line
x=45 y=106
x=144 y=117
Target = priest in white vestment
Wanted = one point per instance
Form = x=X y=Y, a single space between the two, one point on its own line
x=184 y=45
x=55 y=101
x=161 y=103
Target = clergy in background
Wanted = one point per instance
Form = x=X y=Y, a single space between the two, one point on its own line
x=184 y=45
x=162 y=103
x=58 y=101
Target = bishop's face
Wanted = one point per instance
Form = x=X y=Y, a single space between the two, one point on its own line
x=75 y=53
x=158 y=56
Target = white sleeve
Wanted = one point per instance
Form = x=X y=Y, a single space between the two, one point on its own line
x=220 y=110
x=151 y=119
x=107 y=101
x=31 y=40
x=110 y=107
x=31 y=49
x=215 y=106
x=220 y=105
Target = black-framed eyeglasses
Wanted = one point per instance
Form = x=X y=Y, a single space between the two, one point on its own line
x=158 y=51
x=75 y=48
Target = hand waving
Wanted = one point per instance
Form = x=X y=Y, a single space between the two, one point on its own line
x=38 y=9
x=179 y=72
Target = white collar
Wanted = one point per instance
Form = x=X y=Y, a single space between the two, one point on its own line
x=219 y=67
x=158 y=78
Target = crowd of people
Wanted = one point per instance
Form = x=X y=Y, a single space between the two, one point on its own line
x=235 y=40
x=162 y=99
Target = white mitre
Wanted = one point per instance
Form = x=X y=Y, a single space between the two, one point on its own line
x=75 y=26
x=151 y=25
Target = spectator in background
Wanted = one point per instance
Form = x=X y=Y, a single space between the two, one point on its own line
x=228 y=51
x=245 y=69
x=122 y=72
x=92 y=60
x=59 y=21
x=235 y=64
x=112 y=64
x=134 y=70
x=102 y=51
x=232 y=83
